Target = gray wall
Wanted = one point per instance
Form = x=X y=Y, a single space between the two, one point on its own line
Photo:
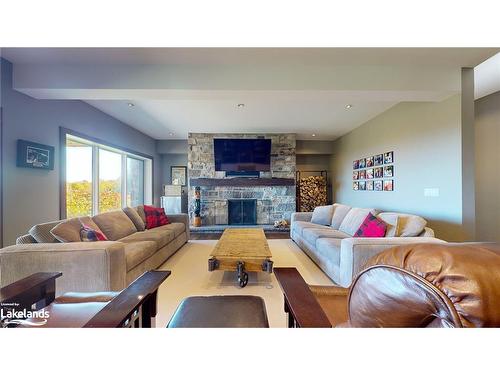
x=426 y=140
x=487 y=134
x=169 y=160
x=32 y=196
x=172 y=146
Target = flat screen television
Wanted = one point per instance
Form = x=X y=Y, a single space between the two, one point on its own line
x=242 y=155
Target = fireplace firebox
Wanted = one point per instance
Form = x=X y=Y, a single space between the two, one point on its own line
x=242 y=211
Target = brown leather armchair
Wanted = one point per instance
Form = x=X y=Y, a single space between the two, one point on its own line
x=134 y=306
x=426 y=285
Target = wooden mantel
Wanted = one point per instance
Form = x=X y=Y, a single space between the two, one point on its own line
x=241 y=182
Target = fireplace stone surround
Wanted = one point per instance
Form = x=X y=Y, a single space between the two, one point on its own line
x=274 y=191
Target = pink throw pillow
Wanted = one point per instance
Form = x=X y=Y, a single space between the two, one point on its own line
x=372 y=227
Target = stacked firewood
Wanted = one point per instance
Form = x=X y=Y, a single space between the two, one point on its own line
x=312 y=193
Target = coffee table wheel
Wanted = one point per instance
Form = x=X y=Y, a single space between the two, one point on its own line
x=243 y=279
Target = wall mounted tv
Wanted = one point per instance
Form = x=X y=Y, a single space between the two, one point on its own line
x=242 y=155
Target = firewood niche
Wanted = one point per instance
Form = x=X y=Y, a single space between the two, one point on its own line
x=311 y=190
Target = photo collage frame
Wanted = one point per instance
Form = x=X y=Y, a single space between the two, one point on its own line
x=374 y=173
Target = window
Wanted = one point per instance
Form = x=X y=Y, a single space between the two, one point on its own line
x=78 y=179
x=101 y=178
x=135 y=181
x=110 y=177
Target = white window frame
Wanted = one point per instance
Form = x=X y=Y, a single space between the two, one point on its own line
x=96 y=146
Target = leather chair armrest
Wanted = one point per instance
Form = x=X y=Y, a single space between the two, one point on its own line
x=301 y=305
x=38 y=288
x=121 y=310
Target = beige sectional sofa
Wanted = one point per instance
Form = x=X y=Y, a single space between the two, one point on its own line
x=95 y=266
x=331 y=244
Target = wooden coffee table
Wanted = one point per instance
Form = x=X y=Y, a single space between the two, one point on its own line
x=241 y=250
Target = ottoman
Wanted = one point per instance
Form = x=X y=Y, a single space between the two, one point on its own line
x=220 y=312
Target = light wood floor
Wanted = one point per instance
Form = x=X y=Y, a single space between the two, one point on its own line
x=190 y=277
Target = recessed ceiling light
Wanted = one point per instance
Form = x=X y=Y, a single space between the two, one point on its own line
x=240 y=106
x=349 y=106
x=313 y=135
x=130 y=104
x=171 y=134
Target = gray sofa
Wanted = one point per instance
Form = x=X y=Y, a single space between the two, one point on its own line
x=331 y=244
x=95 y=266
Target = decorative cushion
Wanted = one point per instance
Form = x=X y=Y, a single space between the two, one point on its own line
x=140 y=212
x=136 y=219
x=322 y=215
x=392 y=229
x=41 y=232
x=354 y=219
x=155 y=217
x=115 y=224
x=407 y=225
x=339 y=213
x=88 y=234
x=69 y=230
x=372 y=226
x=25 y=239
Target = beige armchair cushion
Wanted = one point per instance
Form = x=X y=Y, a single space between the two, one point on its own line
x=136 y=219
x=115 y=224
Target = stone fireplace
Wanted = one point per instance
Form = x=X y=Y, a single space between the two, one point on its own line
x=272 y=194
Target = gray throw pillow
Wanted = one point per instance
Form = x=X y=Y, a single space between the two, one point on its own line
x=322 y=215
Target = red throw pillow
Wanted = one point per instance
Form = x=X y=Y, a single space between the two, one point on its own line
x=372 y=227
x=155 y=217
x=88 y=234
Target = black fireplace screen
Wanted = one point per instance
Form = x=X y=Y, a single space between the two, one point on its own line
x=242 y=211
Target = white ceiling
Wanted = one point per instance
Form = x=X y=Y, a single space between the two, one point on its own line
x=302 y=90
x=458 y=57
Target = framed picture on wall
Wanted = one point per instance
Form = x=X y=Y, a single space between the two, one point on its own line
x=362 y=163
x=34 y=155
x=178 y=175
x=362 y=175
x=389 y=171
x=362 y=185
x=355 y=164
x=369 y=173
x=369 y=161
x=378 y=185
x=355 y=175
x=369 y=185
x=388 y=185
x=378 y=159
x=355 y=185
x=378 y=172
x=389 y=157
